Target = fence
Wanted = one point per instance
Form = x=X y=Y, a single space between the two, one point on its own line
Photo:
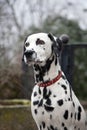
x=74 y=65
x=68 y=58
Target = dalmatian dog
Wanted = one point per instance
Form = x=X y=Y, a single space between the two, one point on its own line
x=54 y=105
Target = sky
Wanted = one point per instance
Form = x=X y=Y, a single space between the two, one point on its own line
x=72 y=9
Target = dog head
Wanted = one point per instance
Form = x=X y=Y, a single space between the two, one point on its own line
x=39 y=47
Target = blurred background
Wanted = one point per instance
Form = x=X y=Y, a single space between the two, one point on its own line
x=21 y=18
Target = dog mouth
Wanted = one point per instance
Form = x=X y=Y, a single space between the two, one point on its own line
x=29 y=60
x=32 y=60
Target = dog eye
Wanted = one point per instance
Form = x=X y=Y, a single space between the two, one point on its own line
x=27 y=44
x=39 y=42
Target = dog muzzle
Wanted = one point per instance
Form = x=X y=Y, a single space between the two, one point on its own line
x=29 y=56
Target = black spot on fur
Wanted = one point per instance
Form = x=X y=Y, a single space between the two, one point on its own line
x=65 y=128
x=40 y=103
x=55 y=61
x=74 y=127
x=39 y=42
x=46 y=94
x=79 y=113
x=40 y=127
x=48 y=102
x=63 y=76
x=79 y=109
x=75 y=115
x=50 y=116
x=63 y=86
x=43 y=113
x=60 y=102
x=48 y=108
x=35 y=111
x=54 y=96
x=48 y=128
x=68 y=99
x=66 y=82
x=66 y=114
x=43 y=124
x=73 y=104
x=71 y=115
x=63 y=124
x=56 y=128
x=39 y=90
x=35 y=94
x=51 y=127
x=65 y=92
x=35 y=102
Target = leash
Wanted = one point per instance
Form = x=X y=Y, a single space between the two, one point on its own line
x=46 y=84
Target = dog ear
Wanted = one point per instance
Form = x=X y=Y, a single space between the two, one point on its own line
x=50 y=35
x=54 y=45
x=58 y=42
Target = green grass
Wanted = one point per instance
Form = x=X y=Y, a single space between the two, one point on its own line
x=16 y=115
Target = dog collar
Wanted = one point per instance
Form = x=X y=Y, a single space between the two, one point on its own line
x=46 y=84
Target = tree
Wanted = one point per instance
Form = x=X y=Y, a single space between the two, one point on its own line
x=59 y=25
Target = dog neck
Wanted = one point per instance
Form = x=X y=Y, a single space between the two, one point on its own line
x=48 y=71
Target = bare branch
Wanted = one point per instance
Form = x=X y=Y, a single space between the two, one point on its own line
x=14 y=15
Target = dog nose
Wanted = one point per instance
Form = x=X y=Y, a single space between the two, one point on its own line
x=28 y=54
